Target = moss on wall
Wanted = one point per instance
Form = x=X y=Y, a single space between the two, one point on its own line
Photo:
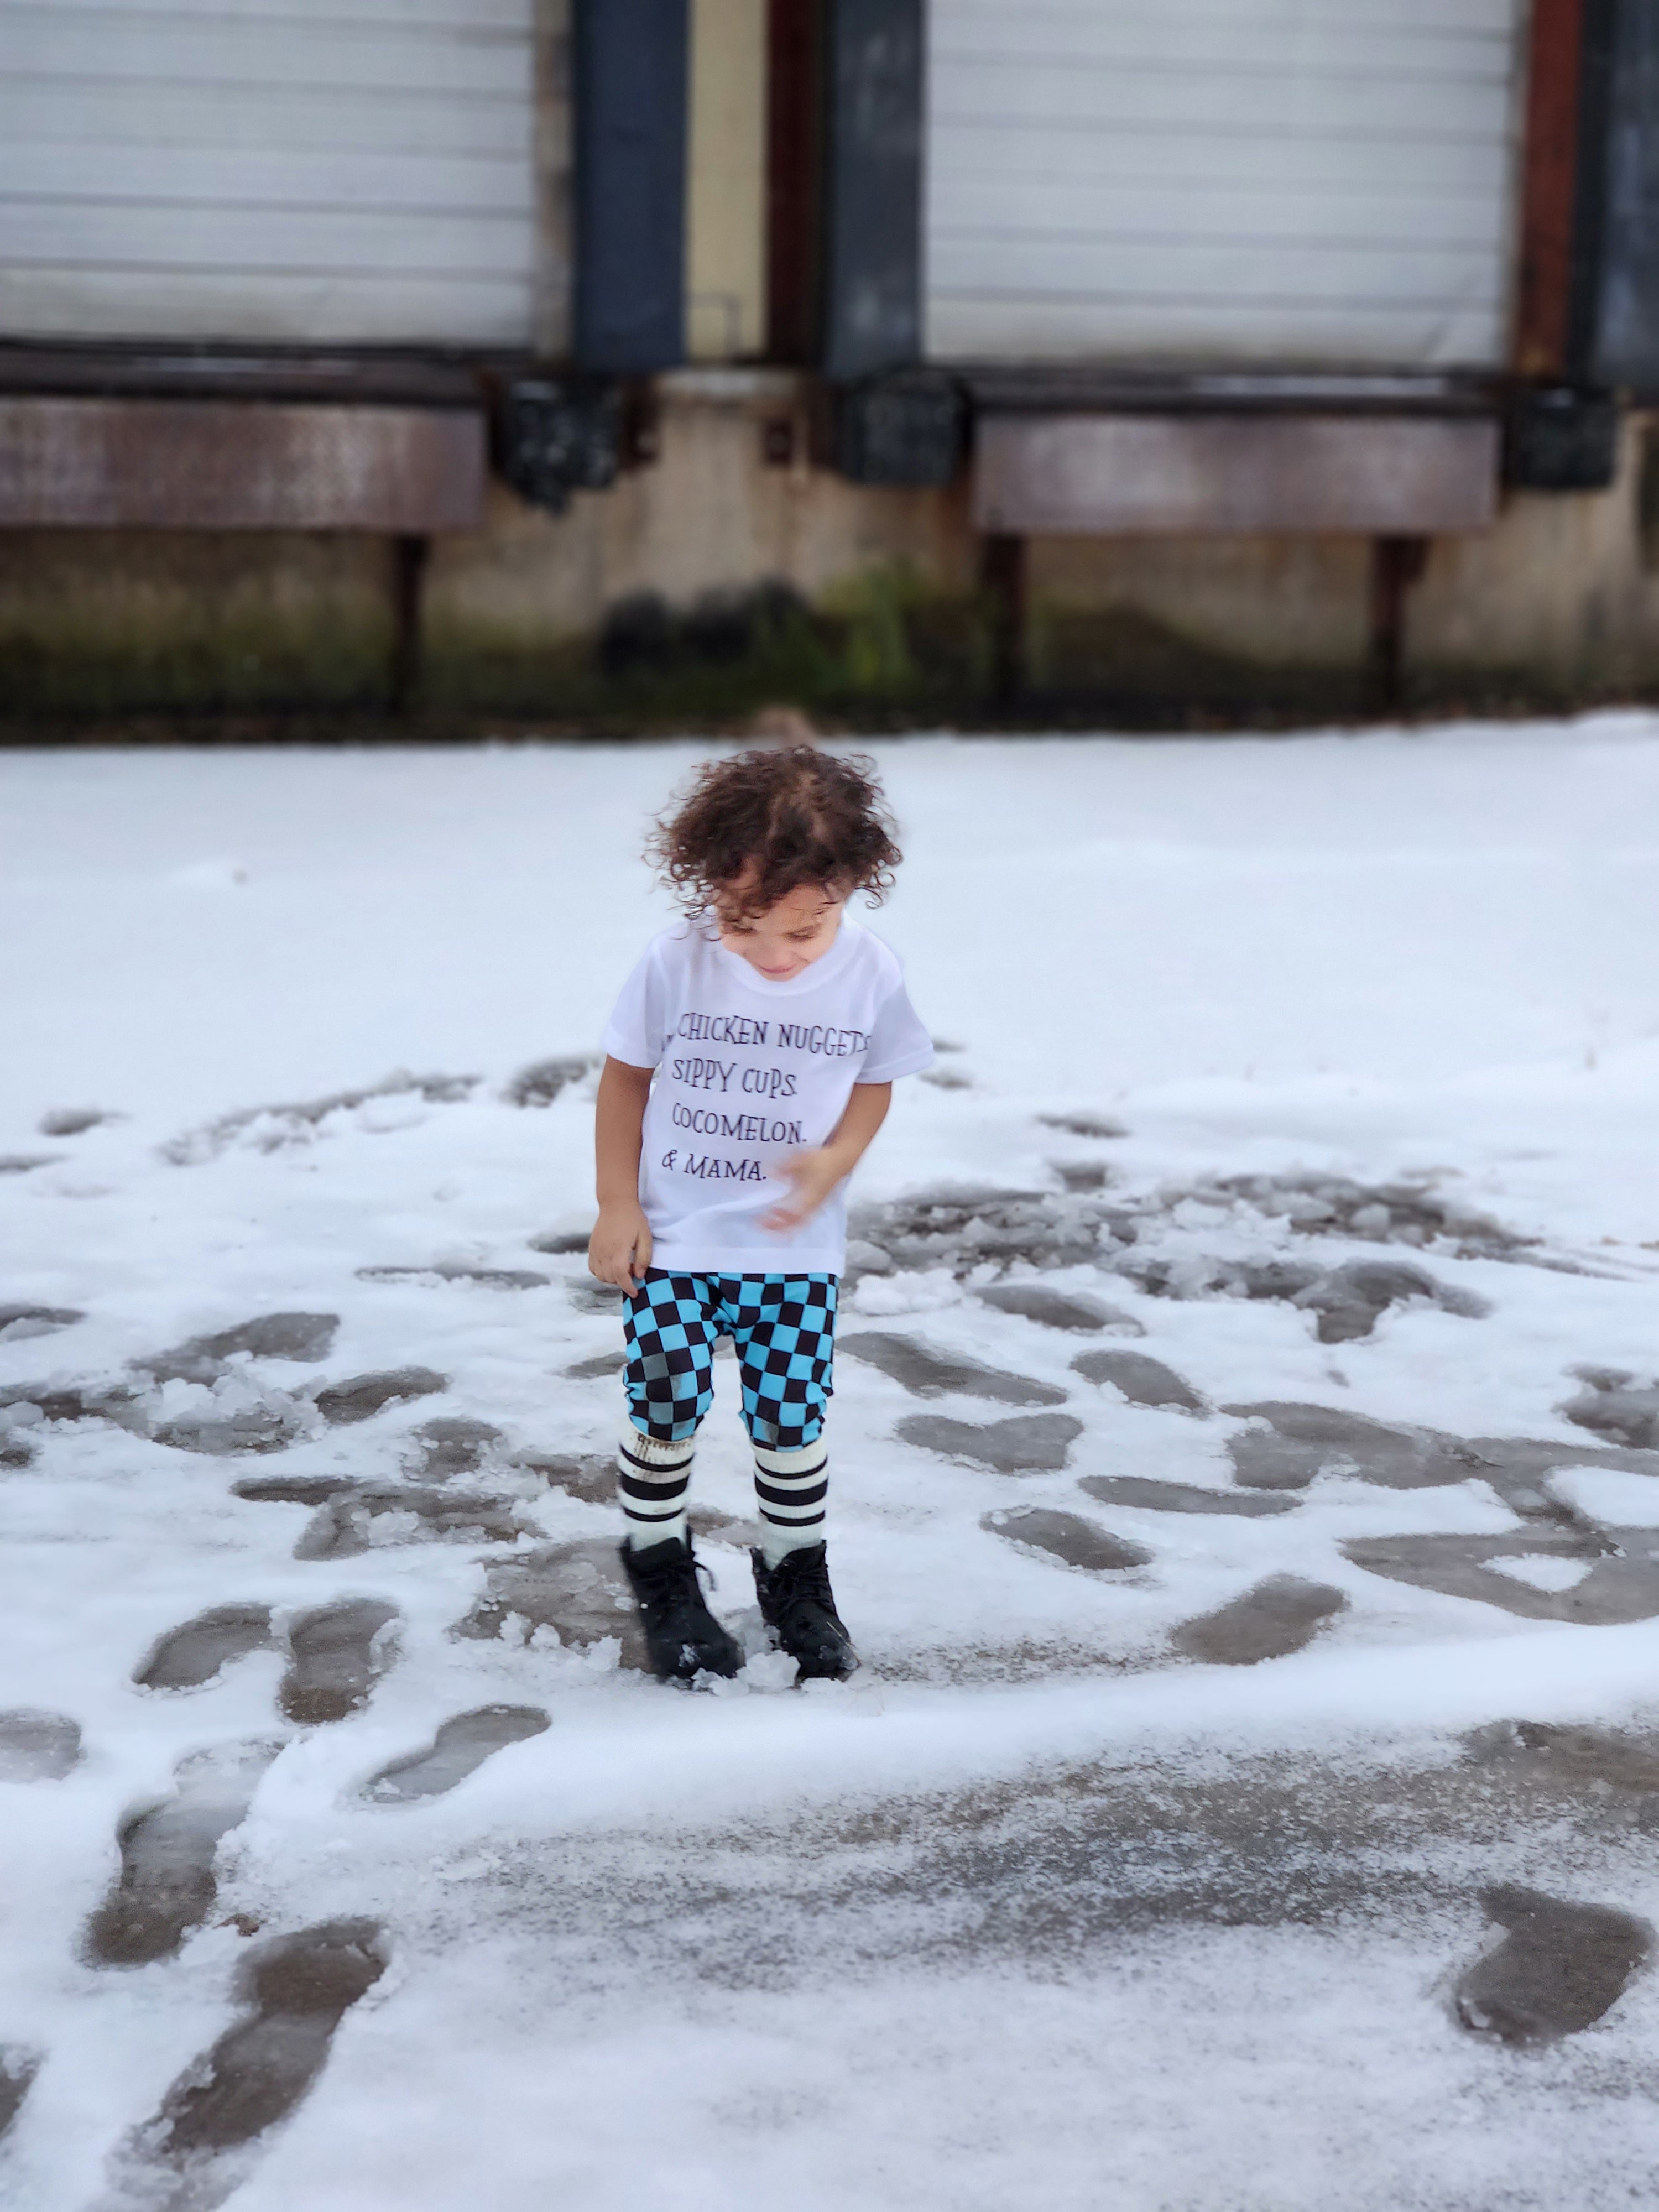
x=103 y=622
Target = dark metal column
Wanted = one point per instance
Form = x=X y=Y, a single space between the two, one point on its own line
x=630 y=84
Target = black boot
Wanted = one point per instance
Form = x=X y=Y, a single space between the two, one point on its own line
x=796 y=1599
x=682 y=1636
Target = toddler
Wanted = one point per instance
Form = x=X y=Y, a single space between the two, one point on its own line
x=750 y=1061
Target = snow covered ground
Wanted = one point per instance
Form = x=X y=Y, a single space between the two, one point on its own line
x=1247 y=1502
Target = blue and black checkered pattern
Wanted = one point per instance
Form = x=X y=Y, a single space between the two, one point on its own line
x=782 y=1328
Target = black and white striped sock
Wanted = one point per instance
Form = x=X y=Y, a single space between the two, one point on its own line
x=791 y=1487
x=653 y=1476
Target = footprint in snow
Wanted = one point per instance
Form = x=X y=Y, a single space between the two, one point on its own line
x=451 y=1270
x=1552 y=1574
x=1029 y=1443
x=36 y=1746
x=452 y=1445
x=361 y=1397
x=337 y=1654
x=292 y=1489
x=198 y=1650
x=18 y=1321
x=1600 y=1758
x=1277 y=1617
x=296 y=1992
x=928 y=1376
x=1141 y=1379
x=577 y=1589
x=166 y=1884
x=459 y=1748
x=18 y=2068
x=1557 y=1969
x=304 y=1338
x=1066 y=1537
x=369 y=1518
x=1073 y=1310
x=1154 y=1496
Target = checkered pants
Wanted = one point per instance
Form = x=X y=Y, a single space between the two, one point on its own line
x=782 y=1328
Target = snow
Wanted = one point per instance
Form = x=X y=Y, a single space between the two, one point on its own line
x=927 y=1938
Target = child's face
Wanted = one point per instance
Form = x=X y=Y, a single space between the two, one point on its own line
x=789 y=937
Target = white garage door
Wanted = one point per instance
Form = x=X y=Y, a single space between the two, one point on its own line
x=1319 y=181
x=277 y=170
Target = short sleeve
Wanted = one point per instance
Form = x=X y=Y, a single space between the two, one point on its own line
x=899 y=1045
x=635 y=1031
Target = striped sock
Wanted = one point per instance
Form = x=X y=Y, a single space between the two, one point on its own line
x=653 y=1476
x=790 y=1486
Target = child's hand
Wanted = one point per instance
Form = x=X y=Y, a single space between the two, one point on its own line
x=813 y=1176
x=620 y=1247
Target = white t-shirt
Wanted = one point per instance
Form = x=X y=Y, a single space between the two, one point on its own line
x=748 y=1072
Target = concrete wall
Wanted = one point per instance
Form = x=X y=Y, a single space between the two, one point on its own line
x=1556 y=604
x=725 y=184
x=716 y=579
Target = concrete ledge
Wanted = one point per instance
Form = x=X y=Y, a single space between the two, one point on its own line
x=1114 y=475
x=221 y=464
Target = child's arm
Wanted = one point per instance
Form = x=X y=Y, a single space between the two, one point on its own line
x=620 y=1247
x=815 y=1174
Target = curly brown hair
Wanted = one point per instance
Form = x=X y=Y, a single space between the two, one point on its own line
x=797 y=815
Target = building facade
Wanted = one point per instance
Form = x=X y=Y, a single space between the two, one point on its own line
x=610 y=361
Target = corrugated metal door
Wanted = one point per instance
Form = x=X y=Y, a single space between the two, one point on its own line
x=277 y=170
x=1317 y=181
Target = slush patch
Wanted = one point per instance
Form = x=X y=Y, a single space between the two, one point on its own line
x=453 y=1271
x=264 y=1428
x=36 y=1746
x=338 y=1654
x=1082 y=1175
x=459 y=1748
x=593 y=1477
x=540 y=1083
x=1066 y=1310
x=166 y=1885
x=1141 y=1379
x=200 y=1650
x=577 y=1590
x=362 y=1397
x=452 y=1446
x=1066 y=1537
x=1030 y=1443
x=93 y=1401
x=18 y=1321
x=271 y=1128
x=1347 y=1302
x=1413 y=1213
x=1154 y=1496
x=1084 y=1125
x=962 y=1226
x=1581 y=1757
x=26 y=1162
x=304 y=1337
x=1297 y=1442
x=291 y=1489
x=1558 y=1968
x=927 y=1375
x=73 y=1121
x=371 y=1518
x=561 y=1244
x=1278 y=1616
x=602 y=1364
x=1615 y=1405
